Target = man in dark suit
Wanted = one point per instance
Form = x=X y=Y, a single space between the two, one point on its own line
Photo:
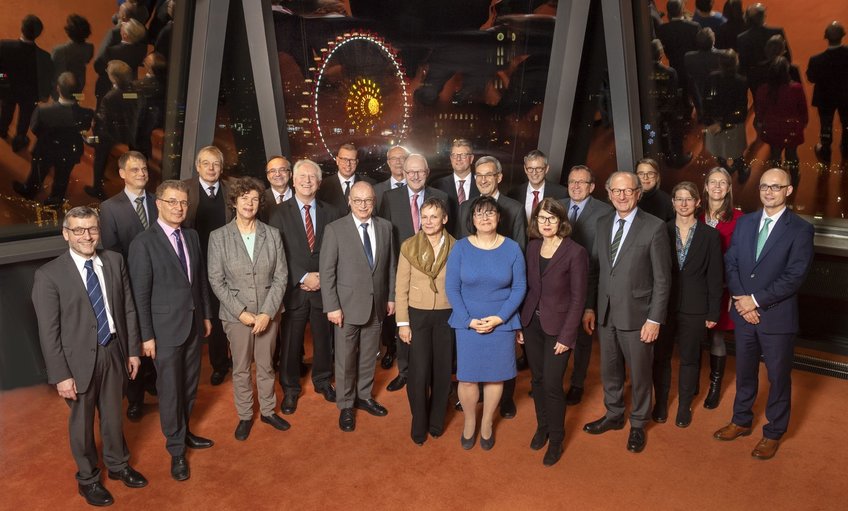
x=395 y=157
x=357 y=267
x=828 y=71
x=769 y=256
x=168 y=272
x=751 y=44
x=28 y=71
x=678 y=37
x=131 y=49
x=278 y=171
x=207 y=211
x=537 y=187
x=402 y=207
x=122 y=218
x=59 y=128
x=459 y=185
x=628 y=294
x=301 y=222
x=700 y=63
x=151 y=90
x=336 y=189
x=583 y=213
x=90 y=340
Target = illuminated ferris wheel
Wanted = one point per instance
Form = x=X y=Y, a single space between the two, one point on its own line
x=360 y=93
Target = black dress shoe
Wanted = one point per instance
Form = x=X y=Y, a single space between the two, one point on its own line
x=289 y=404
x=371 y=406
x=507 y=412
x=135 y=411
x=347 y=420
x=276 y=421
x=553 y=454
x=328 y=391
x=304 y=369
x=458 y=406
x=388 y=360
x=637 y=440
x=197 y=442
x=574 y=395
x=217 y=377
x=660 y=413
x=243 y=429
x=179 y=468
x=398 y=383
x=539 y=439
x=487 y=443
x=603 y=425
x=435 y=432
x=521 y=363
x=129 y=477
x=96 y=494
x=684 y=416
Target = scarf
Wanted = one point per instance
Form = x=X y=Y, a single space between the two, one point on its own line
x=419 y=252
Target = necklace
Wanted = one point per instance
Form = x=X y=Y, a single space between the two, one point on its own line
x=490 y=246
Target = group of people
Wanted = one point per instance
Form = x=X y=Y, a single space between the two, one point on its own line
x=127 y=110
x=469 y=274
x=716 y=58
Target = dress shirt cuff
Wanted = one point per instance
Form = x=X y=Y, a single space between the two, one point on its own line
x=755 y=302
x=303 y=278
x=402 y=323
x=653 y=322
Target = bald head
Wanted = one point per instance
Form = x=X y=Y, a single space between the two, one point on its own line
x=361 y=200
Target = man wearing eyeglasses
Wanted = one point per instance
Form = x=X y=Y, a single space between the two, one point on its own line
x=537 y=187
x=628 y=292
x=207 y=211
x=278 y=170
x=459 y=185
x=769 y=256
x=395 y=157
x=357 y=267
x=89 y=336
x=335 y=190
x=168 y=272
x=402 y=207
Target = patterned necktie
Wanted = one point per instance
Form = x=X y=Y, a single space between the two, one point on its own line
x=279 y=199
x=535 y=201
x=310 y=229
x=763 y=236
x=347 y=190
x=211 y=192
x=139 y=210
x=460 y=191
x=95 y=296
x=180 y=251
x=573 y=218
x=366 y=240
x=416 y=217
x=616 y=240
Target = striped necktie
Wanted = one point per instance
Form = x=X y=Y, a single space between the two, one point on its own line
x=616 y=240
x=139 y=210
x=95 y=296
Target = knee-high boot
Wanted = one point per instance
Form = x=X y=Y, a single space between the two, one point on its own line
x=716 y=374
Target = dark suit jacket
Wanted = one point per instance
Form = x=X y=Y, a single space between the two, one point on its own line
x=585 y=229
x=29 y=69
x=775 y=278
x=66 y=320
x=115 y=118
x=119 y=223
x=286 y=218
x=447 y=185
x=73 y=57
x=270 y=205
x=167 y=303
x=332 y=193
x=513 y=222
x=194 y=198
x=396 y=209
x=379 y=189
x=829 y=72
x=552 y=190
x=697 y=288
x=678 y=37
x=637 y=287
x=751 y=45
x=132 y=54
x=559 y=293
x=58 y=130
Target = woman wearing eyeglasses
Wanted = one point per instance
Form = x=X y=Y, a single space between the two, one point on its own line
x=557 y=273
x=693 y=305
x=653 y=200
x=485 y=284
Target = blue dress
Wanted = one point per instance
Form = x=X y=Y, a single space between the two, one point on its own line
x=482 y=283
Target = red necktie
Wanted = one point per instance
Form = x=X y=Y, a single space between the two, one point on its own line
x=460 y=191
x=535 y=201
x=310 y=229
x=416 y=221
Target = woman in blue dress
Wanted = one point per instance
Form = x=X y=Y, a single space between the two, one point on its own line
x=485 y=285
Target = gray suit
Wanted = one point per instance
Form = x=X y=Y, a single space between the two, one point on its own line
x=362 y=293
x=625 y=296
x=66 y=328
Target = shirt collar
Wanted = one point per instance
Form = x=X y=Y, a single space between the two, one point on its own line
x=206 y=184
x=301 y=204
x=79 y=260
x=133 y=196
x=169 y=231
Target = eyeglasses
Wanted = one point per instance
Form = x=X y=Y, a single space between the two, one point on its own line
x=578 y=183
x=137 y=170
x=79 y=231
x=647 y=175
x=415 y=173
x=346 y=161
x=173 y=203
x=547 y=220
x=684 y=200
x=722 y=183
x=278 y=171
x=460 y=156
x=214 y=164
x=485 y=214
x=480 y=176
x=362 y=202
x=534 y=170
x=774 y=188
x=617 y=192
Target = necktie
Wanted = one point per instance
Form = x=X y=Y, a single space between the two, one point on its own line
x=310 y=229
x=460 y=191
x=616 y=240
x=139 y=210
x=95 y=296
x=366 y=240
x=762 y=236
x=279 y=199
x=211 y=192
x=398 y=185
x=573 y=218
x=535 y=200
x=347 y=189
x=181 y=251
x=416 y=217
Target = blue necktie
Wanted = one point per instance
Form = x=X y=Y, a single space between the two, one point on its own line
x=366 y=240
x=95 y=296
x=573 y=219
x=181 y=251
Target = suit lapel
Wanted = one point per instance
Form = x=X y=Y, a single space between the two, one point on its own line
x=632 y=234
x=236 y=239
x=261 y=238
x=605 y=226
x=776 y=233
x=109 y=281
x=165 y=244
x=694 y=247
x=559 y=255
x=73 y=273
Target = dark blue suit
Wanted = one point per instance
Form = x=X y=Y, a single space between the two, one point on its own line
x=774 y=280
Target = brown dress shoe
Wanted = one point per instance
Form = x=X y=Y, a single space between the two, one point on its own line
x=766 y=449
x=732 y=432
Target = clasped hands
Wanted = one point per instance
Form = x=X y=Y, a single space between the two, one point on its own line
x=259 y=322
x=485 y=325
x=746 y=308
x=311 y=282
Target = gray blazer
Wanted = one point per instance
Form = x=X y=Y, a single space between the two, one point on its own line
x=241 y=284
x=585 y=228
x=347 y=282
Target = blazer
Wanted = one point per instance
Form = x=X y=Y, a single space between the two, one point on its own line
x=58 y=128
x=513 y=222
x=270 y=205
x=751 y=45
x=332 y=193
x=243 y=284
x=698 y=286
x=559 y=294
x=167 y=303
x=115 y=117
x=583 y=231
x=131 y=54
x=72 y=56
x=119 y=223
x=829 y=72
x=287 y=219
x=678 y=37
x=194 y=198
x=552 y=190
x=347 y=281
x=379 y=189
x=637 y=287
x=66 y=320
x=412 y=289
x=29 y=69
x=447 y=185
x=775 y=278
x=396 y=209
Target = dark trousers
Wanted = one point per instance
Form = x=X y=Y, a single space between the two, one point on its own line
x=26 y=106
x=826 y=115
x=430 y=356
x=777 y=350
x=293 y=331
x=41 y=167
x=356 y=347
x=393 y=345
x=688 y=331
x=146 y=377
x=546 y=373
x=219 y=348
x=102 y=150
x=178 y=372
x=582 y=355
x=105 y=394
x=620 y=347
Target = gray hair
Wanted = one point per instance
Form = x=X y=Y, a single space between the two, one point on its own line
x=307 y=162
x=489 y=159
x=80 y=212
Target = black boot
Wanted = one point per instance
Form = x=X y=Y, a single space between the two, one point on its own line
x=716 y=374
